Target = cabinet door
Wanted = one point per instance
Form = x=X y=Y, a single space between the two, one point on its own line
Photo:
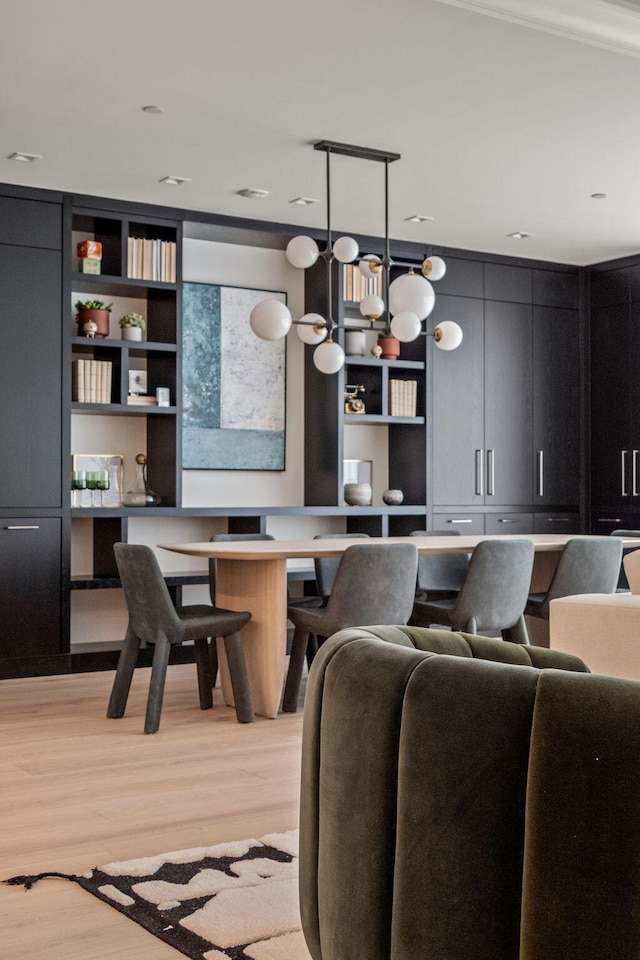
x=30 y=377
x=457 y=406
x=610 y=406
x=556 y=406
x=508 y=403
x=633 y=360
x=30 y=598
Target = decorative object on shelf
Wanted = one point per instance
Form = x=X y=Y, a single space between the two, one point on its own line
x=132 y=325
x=389 y=346
x=102 y=476
x=89 y=256
x=376 y=351
x=140 y=494
x=233 y=414
x=137 y=382
x=163 y=396
x=93 y=318
x=393 y=498
x=358 y=494
x=352 y=403
x=355 y=342
x=410 y=298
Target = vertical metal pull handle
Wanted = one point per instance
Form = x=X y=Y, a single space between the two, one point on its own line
x=623 y=473
x=540 y=473
x=491 y=473
x=479 y=472
x=634 y=473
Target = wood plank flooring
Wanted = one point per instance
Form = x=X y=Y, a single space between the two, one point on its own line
x=78 y=790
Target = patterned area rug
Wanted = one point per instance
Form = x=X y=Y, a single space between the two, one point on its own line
x=234 y=901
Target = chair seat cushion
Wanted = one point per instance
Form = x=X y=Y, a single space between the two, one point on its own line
x=202 y=620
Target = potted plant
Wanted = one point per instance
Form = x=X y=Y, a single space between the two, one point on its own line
x=389 y=345
x=355 y=342
x=132 y=325
x=93 y=318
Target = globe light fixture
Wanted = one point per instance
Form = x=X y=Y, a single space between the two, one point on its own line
x=404 y=303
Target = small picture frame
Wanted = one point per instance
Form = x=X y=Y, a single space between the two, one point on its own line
x=137 y=381
x=163 y=396
x=112 y=464
x=357 y=471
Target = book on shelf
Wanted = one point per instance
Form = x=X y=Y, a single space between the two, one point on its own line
x=402 y=398
x=151 y=259
x=139 y=400
x=91 y=381
x=355 y=286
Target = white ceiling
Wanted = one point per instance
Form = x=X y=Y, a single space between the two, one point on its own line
x=508 y=114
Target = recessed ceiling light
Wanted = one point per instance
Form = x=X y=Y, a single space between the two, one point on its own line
x=25 y=157
x=417 y=218
x=153 y=108
x=520 y=235
x=252 y=193
x=598 y=196
x=304 y=201
x=175 y=181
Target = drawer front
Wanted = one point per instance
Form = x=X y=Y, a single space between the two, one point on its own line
x=556 y=523
x=466 y=524
x=508 y=523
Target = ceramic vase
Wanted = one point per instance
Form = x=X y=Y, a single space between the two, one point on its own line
x=358 y=494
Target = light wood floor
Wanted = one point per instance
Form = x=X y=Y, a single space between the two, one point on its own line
x=78 y=790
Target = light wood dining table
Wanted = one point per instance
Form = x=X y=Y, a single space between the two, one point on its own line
x=252 y=575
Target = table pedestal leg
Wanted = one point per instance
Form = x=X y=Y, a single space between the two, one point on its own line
x=259 y=586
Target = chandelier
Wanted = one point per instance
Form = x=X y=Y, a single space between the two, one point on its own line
x=405 y=302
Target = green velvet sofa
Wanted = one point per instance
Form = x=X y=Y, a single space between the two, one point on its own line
x=464 y=798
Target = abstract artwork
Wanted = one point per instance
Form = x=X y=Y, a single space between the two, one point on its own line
x=233 y=383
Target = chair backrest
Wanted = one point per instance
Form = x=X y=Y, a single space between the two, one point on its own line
x=586 y=566
x=147 y=597
x=375 y=583
x=623 y=582
x=222 y=538
x=327 y=567
x=441 y=571
x=497 y=584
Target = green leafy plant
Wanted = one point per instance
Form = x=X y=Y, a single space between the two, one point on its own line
x=93 y=305
x=387 y=336
x=132 y=320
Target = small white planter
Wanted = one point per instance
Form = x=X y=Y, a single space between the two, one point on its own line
x=355 y=342
x=131 y=333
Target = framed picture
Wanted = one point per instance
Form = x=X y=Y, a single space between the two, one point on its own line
x=357 y=471
x=110 y=464
x=233 y=383
x=137 y=381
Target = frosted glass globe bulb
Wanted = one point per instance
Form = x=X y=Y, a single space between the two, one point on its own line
x=434 y=268
x=345 y=249
x=447 y=335
x=328 y=357
x=406 y=326
x=370 y=266
x=302 y=252
x=316 y=333
x=372 y=307
x=411 y=293
x=270 y=320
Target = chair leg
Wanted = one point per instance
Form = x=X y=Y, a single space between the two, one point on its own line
x=239 y=678
x=471 y=626
x=124 y=674
x=519 y=633
x=312 y=648
x=156 y=686
x=294 y=673
x=203 y=667
x=213 y=660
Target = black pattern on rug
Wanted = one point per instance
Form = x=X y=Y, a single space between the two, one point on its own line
x=234 y=901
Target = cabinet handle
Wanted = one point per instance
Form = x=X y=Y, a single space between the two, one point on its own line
x=509 y=520
x=24 y=527
x=459 y=521
x=540 y=473
x=491 y=473
x=562 y=520
x=634 y=473
x=609 y=520
x=479 y=473
x=623 y=473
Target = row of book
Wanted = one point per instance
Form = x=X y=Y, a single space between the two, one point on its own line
x=402 y=398
x=355 y=287
x=91 y=381
x=151 y=259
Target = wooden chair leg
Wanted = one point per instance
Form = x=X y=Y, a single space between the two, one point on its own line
x=294 y=673
x=124 y=674
x=156 y=686
x=203 y=667
x=239 y=678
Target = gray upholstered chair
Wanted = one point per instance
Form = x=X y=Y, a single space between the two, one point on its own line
x=623 y=583
x=493 y=595
x=440 y=575
x=453 y=807
x=153 y=619
x=375 y=583
x=327 y=567
x=586 y=566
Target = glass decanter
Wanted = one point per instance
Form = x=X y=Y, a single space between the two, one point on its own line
x=140 y=494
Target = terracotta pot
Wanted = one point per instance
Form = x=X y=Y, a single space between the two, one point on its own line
x=390 y=348
x=99 y=317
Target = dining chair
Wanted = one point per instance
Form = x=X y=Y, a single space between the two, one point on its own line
x=327 y=567
x=586 y=565
x=623 y=581
x=440 y=575
x=375 y=583
x=493 y=595
x=153 y=619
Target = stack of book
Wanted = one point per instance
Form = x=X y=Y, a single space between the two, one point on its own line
x=138 y=399
x=402 y=398
x=91 y=381
x=355 y=287
x=151 y=260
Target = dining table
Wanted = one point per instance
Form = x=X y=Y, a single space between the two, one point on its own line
x=252 y=575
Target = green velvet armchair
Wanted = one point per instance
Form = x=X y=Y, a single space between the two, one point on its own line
x=464 y=798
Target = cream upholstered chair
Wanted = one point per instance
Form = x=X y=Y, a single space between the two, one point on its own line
x=631 y=563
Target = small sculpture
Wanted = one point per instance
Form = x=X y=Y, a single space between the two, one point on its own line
x=89 y=328
x=393 y=497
